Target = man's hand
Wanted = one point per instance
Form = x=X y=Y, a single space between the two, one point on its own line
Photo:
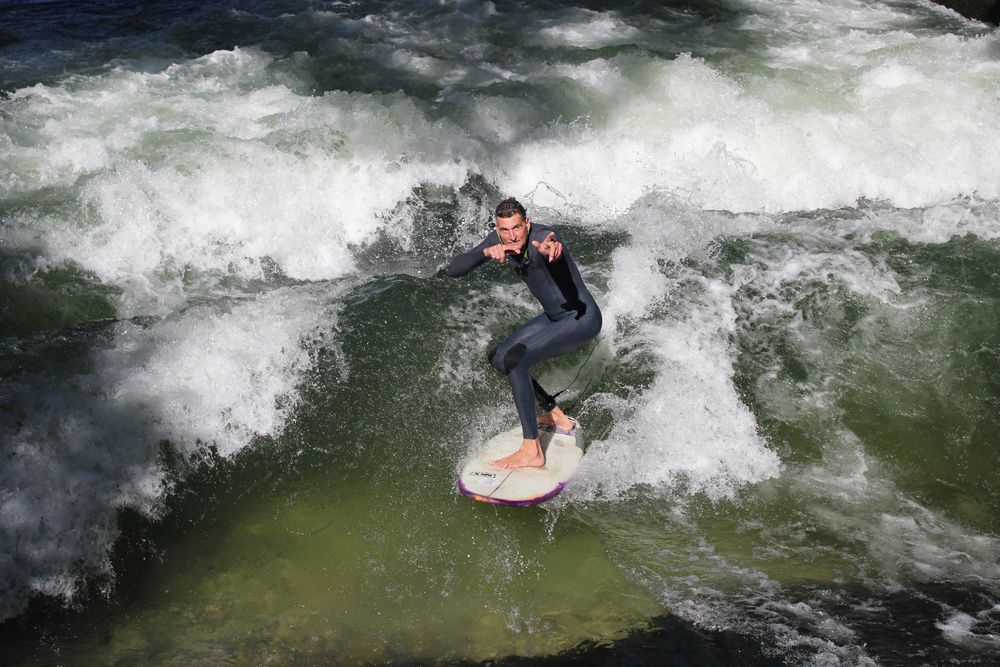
x=550 y=247
x=500 y=251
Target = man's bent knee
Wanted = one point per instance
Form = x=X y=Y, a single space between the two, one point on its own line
x=509 y=360
x=513 y=357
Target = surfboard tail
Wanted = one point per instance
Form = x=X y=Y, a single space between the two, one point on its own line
x=525 y=502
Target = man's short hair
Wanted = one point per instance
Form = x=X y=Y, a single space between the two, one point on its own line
x=509 y=207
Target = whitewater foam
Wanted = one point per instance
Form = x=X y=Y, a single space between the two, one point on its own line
x=963 y=628
x=80 y=448
x=593 y=30
x=809 y=133
x=799 y=284
x=689 y=430
x=221 y=165
x=220 y=176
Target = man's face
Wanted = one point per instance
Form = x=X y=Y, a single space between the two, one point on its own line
x=513 y=230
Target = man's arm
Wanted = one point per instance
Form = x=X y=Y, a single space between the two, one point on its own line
x=463 y=263
x=551 y=247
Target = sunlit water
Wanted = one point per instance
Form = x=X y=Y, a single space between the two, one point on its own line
x=237 y=386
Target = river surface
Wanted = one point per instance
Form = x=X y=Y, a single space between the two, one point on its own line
x=236 y=385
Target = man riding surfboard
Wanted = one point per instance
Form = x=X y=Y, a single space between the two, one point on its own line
x=570 y=318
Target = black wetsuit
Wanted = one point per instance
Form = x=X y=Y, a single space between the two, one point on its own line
x=571 y=318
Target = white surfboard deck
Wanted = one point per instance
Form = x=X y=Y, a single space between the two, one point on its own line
x=522 y=486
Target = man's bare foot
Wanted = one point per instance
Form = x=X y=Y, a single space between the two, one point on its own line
x=557 y=418
x=528 y=456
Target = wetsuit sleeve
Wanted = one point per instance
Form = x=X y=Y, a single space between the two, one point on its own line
x=463 y=263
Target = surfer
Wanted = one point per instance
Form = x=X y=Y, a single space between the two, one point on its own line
x=570 y=319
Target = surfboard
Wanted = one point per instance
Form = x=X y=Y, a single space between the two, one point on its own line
x=522 y=486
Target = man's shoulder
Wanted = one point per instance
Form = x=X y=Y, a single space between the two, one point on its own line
x=539 y=232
